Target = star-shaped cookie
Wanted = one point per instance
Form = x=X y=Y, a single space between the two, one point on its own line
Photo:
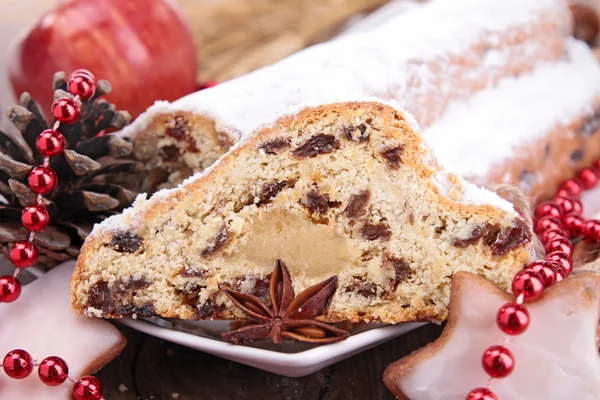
x=555 y=359
x=41 y=323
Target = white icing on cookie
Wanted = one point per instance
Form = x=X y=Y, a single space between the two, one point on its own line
x=41 y=323
x=555 y=359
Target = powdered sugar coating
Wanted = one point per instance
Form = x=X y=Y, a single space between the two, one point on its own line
x=477 y=134
x=382 y=63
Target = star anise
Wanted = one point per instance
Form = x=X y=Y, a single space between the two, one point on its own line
x=288 y=316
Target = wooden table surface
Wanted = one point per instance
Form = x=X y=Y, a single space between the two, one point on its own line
x=151 y=368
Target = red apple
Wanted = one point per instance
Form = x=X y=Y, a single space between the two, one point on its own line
x=143 y=47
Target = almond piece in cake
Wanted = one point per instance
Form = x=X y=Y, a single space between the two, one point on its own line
x=345 y=189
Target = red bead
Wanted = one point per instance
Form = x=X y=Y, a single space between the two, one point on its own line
x=571 y=187
x=83 y=72
x=548 y=208
x=87 y=388
x=66 y=110
x=561 y=273
x=596 y=164
x=82 y=85
x=18 y=364
x=546 y=223
x=562 y=193
x=548 y=235
x=513 y=319
x=42 y=180
x=546 y=270
x=481 y=394
x=23 y=254
x=561 y=258
x=574 y=224
x=587 y=178
x=569 y=204
x=591 y=231
x=35 y=218
x=559 y=244
x=50 y=143
x=498 y=362
x=53 y=371
x=10 y=289
x=528 y=283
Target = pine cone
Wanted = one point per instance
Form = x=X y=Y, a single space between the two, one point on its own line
x=94 y=180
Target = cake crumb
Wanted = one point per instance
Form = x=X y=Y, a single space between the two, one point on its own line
x=175 y=395
x=122 y=388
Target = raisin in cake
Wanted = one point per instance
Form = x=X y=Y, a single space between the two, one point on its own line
x=534 y=131
x=346 y=189
x=425 y=59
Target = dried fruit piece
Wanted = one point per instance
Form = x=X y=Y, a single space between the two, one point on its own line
x=350 y=133
x=180 y=131
x=401 y=268
x=511 y=238
x=126 y=242
x=365 y=289
x=100 y=297
x=275 y=146
x=316 y=202
x=270 y=191
x=218 y=242
x=319 y=144
x=357 y=204
x=169 y=153
x=371 y=231
x=209 y=309
x=474 y=238
x=393 y=156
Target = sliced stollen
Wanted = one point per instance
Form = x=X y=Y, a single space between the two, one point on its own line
x=424 y=59
x=347 y=189
x=534 y=131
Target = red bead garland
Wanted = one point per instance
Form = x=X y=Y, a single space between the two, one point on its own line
x=562 y=258
x=481 y=394
x=35 y=218
x=513 y=319
x=87 y=388
x=18 y=364
x=23 y=254
x=528 y=284
x=50 y=143
x=556 y=222
x=10 y=289
x=66 y=111
x=42 y=180
x=53 y=371
x=498 y=362
x=82 y=85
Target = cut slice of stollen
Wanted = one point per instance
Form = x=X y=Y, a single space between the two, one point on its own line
x=345 y=189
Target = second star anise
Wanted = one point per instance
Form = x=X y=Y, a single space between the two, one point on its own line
x=288 y=316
